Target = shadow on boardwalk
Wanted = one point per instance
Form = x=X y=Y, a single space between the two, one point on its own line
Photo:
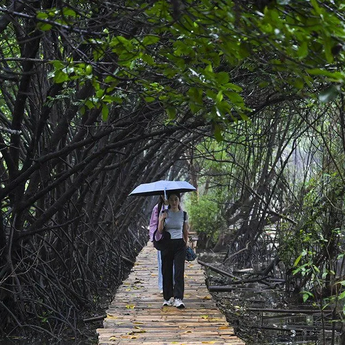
x=136 y=315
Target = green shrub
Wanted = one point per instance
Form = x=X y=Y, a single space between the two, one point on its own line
x=205 y=218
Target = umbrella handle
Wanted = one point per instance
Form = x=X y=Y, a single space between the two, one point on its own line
x=165 y=193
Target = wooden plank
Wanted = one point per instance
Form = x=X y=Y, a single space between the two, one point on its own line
x=136 y=315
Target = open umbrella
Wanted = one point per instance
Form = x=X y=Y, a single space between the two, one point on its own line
x=162 y=187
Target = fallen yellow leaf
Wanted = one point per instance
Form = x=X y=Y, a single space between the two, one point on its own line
x=215 y=319
x=224 y=327
x=137 y=331
x=208 y=297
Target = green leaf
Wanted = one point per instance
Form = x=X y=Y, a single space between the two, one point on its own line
x=243 y=51
x=235 y=98
x=195 y=95
x=218 y=133
x=263 y=84
x=148 y=40
x=60 y=77
x=316 y=6
x=88 y=69
x=69 y=12
x=99 y=93
x=219 y=97
x=306 y=295
x=329 y=94
x=171 y=113
x=211 y=94
x=89 y=104
x=336 y=76
x=122 y=40
x=57 y=64
x=234 y=87
x=209 y=68
x=302 y=51
x=244 y=116
x=118 y=99
x=42 y=15
x=209 y=71
x=328 y=44
x=297 y=261
x=44 y=26
x=298 y=83
x=316 y=269
x=149 y=99
x=105 y=112
x=222 y=77
x=148 y=59
x=224 y=108
x=194 y=107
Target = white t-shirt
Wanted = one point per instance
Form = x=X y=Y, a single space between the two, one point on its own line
x=174 y=224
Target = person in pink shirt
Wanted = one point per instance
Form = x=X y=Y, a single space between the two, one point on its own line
x=162 y=204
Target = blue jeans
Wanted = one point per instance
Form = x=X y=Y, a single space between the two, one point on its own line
x=160 y=275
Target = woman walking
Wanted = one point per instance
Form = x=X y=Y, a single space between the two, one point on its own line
x=175 y=222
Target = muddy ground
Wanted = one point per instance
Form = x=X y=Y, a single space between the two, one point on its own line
x=265 y=313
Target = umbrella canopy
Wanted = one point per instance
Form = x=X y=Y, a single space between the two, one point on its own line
x=162 y=187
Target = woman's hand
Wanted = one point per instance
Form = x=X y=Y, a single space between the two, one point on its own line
x=163 y=216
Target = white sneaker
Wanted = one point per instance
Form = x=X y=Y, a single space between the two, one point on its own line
x=168 y=303
x=178 y=303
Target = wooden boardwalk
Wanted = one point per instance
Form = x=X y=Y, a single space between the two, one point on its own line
x=136 y=315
